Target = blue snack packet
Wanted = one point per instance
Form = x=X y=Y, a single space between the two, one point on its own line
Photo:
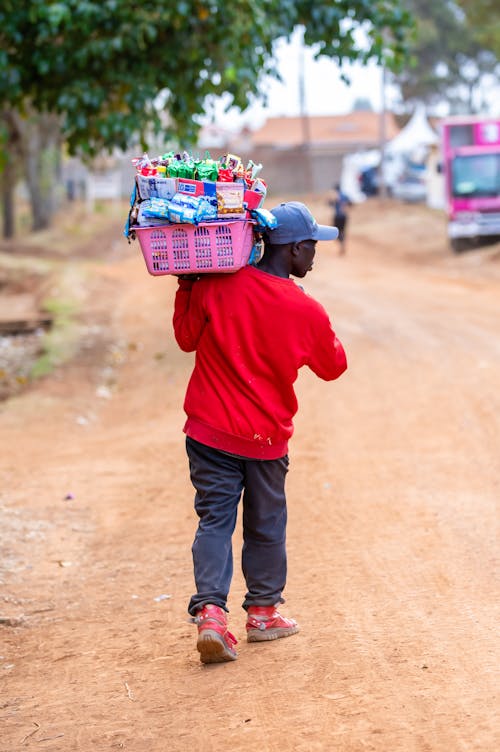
x=201 y=209
x=264 y=218
x=181 y=214
x=158 y=207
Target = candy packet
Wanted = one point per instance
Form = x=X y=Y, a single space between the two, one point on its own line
x=253 y=170
x=264 y=218
x=157 y=207
x=178 y=167
x=201 y=208
x=146 y=218
x=207 y=169
x=181 y=214
x=225 y=175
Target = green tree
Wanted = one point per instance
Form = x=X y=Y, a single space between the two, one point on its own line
x=483 y=17
x=115 y=70
x=455 y=52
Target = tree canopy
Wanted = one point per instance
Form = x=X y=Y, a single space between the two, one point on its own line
x=114 y=68
x=455 y=50
x=482 y=15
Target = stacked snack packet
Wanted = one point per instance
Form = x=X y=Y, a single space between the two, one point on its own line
x=177 y=188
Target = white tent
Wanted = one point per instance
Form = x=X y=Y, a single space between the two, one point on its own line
x=352 y=165
x=411 y=145
x=416 y=134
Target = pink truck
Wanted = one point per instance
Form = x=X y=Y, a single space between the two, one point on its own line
x=471 y=165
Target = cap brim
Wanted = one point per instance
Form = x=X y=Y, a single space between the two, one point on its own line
x=325 y=232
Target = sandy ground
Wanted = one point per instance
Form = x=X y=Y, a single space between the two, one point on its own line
x=393 y=522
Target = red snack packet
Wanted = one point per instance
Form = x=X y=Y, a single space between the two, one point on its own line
x=225 y=175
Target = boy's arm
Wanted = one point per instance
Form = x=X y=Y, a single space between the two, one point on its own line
x=189 y=316
x=328 y=359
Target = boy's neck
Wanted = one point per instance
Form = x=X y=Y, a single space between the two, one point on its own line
x=278 y=263
x=277 y=270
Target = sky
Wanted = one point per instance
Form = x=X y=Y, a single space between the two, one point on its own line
x=325 y=92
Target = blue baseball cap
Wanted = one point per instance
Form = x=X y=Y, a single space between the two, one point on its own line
x=296 y=223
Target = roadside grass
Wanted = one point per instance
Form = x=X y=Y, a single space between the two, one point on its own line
x=75 y=225
x=60 y=343
x=52 y=266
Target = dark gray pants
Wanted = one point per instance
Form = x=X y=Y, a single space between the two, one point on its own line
x=219 y=480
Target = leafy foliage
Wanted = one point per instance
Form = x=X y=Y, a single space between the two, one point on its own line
x=483 y=16
x=455 y=49
x=114 y=68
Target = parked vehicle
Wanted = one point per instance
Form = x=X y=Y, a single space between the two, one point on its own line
x=411 y=189
x=471 y=162
x=369 y=181
x=410 y=185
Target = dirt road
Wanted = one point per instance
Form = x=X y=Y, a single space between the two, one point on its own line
x=393 y=523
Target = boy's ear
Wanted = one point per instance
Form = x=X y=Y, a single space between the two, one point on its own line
x=294 y=249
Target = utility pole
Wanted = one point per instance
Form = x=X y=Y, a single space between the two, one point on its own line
x=382 y=135
x=306 y=130
x=305 y=122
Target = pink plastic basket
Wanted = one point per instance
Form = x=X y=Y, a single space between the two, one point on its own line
x=190 y=249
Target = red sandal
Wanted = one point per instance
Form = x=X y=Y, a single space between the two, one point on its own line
x=215 y=642
x=266 y=623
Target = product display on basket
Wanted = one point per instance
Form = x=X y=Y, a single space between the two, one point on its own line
x=196 y=216
x=266 y=623
x=215 y=643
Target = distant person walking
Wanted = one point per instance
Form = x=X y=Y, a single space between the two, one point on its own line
x=340 y=202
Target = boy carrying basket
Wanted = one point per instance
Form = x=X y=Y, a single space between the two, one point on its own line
x=251 y=330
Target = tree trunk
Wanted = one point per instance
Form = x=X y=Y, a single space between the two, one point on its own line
x=8 y=215
x=39 y=138
x=9 y=174
x=41 y=167
x=32 y=174
x=33 y=143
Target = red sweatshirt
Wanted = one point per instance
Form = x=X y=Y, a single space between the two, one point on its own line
x=251 y=331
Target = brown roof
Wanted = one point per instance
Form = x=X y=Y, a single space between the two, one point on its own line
x=356 y=127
